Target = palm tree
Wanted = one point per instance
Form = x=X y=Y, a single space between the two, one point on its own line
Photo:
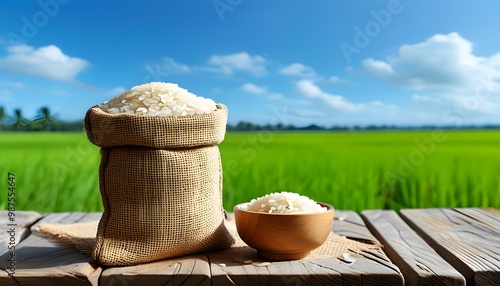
x=18 y=117
x=45 y=117
x=3 y=116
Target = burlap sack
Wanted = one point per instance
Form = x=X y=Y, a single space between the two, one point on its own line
x=160 y=180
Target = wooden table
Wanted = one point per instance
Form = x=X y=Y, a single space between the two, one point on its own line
x=421 y=247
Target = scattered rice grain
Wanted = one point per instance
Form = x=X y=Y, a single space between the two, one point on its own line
x=261 y=264
x=347 y=258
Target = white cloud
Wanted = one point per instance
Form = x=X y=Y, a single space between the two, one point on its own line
x=425 y=99
x=308 y=89
x=442 y=63
x=160 y=71
x=275 y=96
x=445 y=68
x=299 y=102
x=255 y=89
x=306 y=113
x=380 y=104
x=468 y=106
x=46 y=62
x=238 y=62
x=169 y=66
x=377 y=68
x=335 y=79
x=298 y=69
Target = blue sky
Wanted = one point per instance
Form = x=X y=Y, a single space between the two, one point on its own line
x=296 y=62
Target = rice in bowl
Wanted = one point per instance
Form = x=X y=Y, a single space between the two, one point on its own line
x=283 y=203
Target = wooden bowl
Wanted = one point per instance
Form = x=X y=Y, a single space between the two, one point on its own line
x=283 y=236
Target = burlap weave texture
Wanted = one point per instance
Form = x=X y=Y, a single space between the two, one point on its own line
x=160 y=180
x=112 y=130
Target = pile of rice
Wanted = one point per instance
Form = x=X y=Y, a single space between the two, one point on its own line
x=158 y=99
x=284 y=203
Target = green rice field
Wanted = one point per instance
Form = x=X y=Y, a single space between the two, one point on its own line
x=58 y=172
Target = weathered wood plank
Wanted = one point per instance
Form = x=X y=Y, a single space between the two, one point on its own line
x=186 y=270
x=467 y=238
x=44 y=261
x=13 y=232
x=492 y=211
x=351 y=225
x=370 y=268
x=419 y=263
x=322 y=271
